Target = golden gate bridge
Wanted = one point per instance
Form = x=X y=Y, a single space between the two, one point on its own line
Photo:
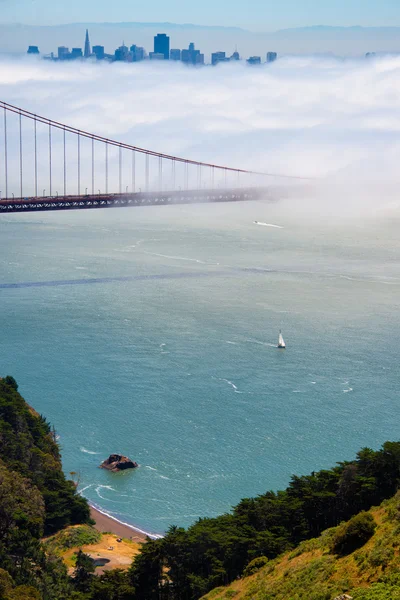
x=47 y=165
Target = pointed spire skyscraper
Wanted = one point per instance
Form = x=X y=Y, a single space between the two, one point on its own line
x=88 y=51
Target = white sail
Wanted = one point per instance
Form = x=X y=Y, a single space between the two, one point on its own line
x=281 y=341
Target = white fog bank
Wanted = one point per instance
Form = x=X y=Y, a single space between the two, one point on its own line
x=321 y=118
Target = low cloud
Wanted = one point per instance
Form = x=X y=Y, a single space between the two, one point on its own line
x=321 y=118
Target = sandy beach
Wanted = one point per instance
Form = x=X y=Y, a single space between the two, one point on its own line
x=105 y=523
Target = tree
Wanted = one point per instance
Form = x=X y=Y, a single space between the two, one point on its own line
x=6 y=583
x=24 y=592
x=84 y=570
x=147 y=571
x=21 y=505
x=112 y=585
x=9 y=380
x=353 y=534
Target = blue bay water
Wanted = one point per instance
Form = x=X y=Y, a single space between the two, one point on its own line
x=152 y=332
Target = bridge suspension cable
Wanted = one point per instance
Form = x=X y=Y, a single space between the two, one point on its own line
x=122 y=145
x=55 y=157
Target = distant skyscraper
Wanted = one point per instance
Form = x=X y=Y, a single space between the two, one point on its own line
x=161 y=45
x=175 y=54
x=156 y=56
x=254 y=60
x=271 y=57
x=191 y=56
x=63 y=53
x=87 y=45
x=137 y=52
x=121 y=53
x=217 y=57
x=140 y=53
x=33 y=50
x=76 y=53
x=98 y=51
x=186 y=56
x=235 y=56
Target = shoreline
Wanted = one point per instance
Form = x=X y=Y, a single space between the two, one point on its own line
x=107 y=523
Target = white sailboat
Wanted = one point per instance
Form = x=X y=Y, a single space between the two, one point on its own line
x=281 y=341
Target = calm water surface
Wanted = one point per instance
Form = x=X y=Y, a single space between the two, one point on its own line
x=152 y=332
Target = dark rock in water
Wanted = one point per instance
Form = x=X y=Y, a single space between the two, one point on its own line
x=117 y=462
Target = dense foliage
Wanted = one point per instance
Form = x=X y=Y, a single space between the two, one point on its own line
x=386 y=589
x=186 y=564
x=28 y=447
x=353 y=534
x=35 y=499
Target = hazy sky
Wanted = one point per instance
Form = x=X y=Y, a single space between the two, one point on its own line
x=263 y=15
x=301 y=116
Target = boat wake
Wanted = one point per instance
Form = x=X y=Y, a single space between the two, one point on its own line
x=196 y=260
x=82 y=449
x=105 y=487
x=261 y=343
x=267 y=225
x=233 y=386
x=85 y=488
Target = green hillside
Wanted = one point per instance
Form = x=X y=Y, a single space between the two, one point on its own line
x=35 y=499
x=323 y=569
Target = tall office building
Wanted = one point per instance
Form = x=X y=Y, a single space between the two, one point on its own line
x=33 y=50
x=98 y=51
x=87 y=45
x=140 y=53
x=254 y=60
x=121 y=53
x=192 y=56
x=76 y=53
x=161 y=45
x=271 y=57
x=217 y=57
x=175 y=54
x=137 y=52
x=63 y=53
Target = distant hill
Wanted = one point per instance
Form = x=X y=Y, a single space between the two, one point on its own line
x=353 y=41
x=157 y=25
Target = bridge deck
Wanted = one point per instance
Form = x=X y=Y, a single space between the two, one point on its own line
x=10 y=205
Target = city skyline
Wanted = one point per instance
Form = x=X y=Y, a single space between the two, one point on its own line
x=162 y=50
x=265 y=15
